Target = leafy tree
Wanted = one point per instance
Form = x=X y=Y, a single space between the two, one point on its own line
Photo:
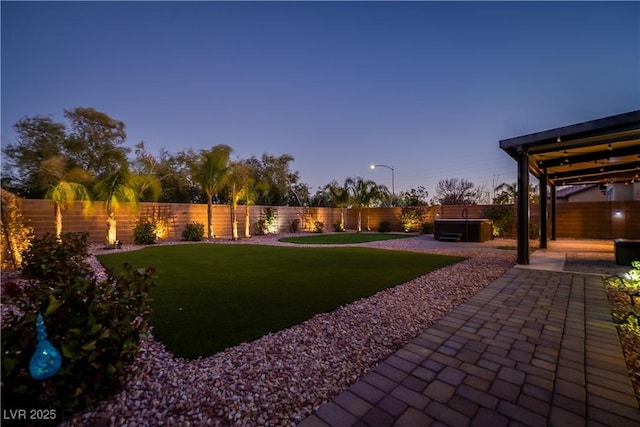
x=277 y=179
x=363 y=193
x=454 y=191
x=95 y=142
x=209 y=173
x=171 y=170
x=38 y=139
x=414 y=197
x=62 y=187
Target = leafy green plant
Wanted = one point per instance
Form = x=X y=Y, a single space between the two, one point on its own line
x=16 y=233
x=144 y=233
x=411 y=218
x=193 y=232
x=629 y=282
x=502 y=218
x=268 y=222
x=384 y=227
x=294 y=225
x=96 y=325
x=56 y=260
x=427 y=228
x=318 y=226
x=338 y=226
x=534 y=231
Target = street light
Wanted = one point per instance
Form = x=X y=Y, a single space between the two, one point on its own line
x=393 y=180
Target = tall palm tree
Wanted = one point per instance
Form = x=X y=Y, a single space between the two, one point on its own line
x=209 y=173
x=363 y=193
x=63 y=187
x=124 y=187
x=238 y=186
x=339 y=196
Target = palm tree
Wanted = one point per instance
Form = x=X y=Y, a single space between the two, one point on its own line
x=363 y=193
x=124 y=187
x=209 y=173
x=339 y=196
x=238 y=186
x=63 y=187
x=508 y=193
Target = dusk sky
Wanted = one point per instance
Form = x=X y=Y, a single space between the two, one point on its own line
x=427 y=87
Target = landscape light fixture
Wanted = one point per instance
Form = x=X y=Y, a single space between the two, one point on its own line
x=393 y=179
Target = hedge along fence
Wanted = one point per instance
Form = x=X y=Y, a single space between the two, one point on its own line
x=595 y=220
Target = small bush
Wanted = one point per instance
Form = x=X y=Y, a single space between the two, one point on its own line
x=427 y=228
x=95 y=325
x=318 y=226
x=53 y=260
x=385 y=227
x=294 y=225
x=338 y=226
x=502 y=217
x=144 y=233
x=411 y=217
x=534 y=231
x=193 y=232
x=268 y=223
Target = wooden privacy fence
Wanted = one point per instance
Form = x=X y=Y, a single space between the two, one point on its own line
x=595 y=220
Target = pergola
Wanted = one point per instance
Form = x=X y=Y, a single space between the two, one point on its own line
x=602 y=151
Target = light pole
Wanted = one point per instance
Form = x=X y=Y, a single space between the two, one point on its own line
x=393 y=180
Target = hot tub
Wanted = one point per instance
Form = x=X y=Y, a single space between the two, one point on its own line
x=469 y=230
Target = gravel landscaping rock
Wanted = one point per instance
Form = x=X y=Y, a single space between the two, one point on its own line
x=283 y=377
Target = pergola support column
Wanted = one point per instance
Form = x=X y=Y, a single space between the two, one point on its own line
x=543 y=210
x=523 y=207
x=553 y=211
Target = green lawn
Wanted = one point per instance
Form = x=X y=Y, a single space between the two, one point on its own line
x=210 y=297
x=344 y=238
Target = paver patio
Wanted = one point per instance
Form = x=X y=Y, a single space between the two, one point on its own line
x=536 y=347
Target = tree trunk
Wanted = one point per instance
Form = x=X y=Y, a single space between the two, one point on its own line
x=359 y=220
x=210 y=234
x=247 y=218
x=111 y=230
x=58 y=218
x=234 y=222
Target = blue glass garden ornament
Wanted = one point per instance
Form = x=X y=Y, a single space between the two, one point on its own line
x=46 y=360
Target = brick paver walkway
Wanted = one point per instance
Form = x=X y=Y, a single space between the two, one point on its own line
x=534 y=348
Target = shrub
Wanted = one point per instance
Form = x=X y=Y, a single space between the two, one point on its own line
x=16 y=233
x=95 y=325
x=318 y=226
x=502 y=217
x=193 y=232
x=294 y=224
x=385 y=227
x=268 y=222
x=338 y=226
x=534 y=231
x=52 y=260
x=411 y=218
x=144 y=233
x=427 y=228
